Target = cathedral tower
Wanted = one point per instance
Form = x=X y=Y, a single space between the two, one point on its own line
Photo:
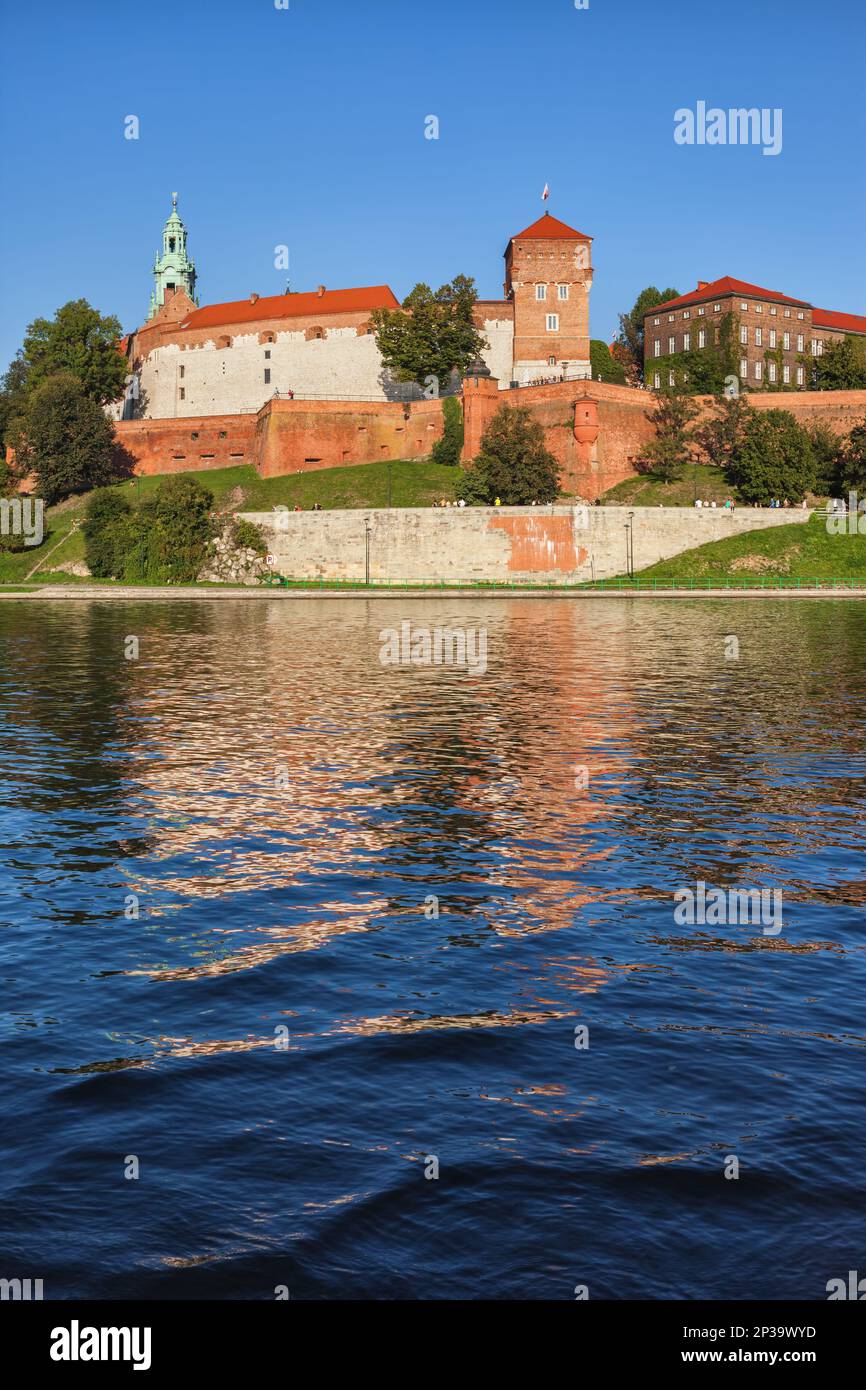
x=172 y=270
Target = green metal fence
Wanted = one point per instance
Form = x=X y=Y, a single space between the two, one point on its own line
x=624 y=586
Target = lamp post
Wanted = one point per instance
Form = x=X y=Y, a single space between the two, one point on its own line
x=631 y=542
x=366 y=550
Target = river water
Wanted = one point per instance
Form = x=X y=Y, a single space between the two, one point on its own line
x=351 y=977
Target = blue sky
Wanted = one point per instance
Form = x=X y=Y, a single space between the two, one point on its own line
x=306 y=127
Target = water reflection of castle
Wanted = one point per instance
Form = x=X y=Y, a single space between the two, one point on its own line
x=376 y=760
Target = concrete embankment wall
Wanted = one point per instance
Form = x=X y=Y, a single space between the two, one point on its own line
x=560 y=544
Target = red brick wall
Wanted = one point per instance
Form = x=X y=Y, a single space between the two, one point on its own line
x=285 y=437
x=170 y=446
x=589 y=468
x=596 y=431
x=299 y=436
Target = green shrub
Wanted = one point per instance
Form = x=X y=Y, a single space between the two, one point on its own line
x=107 y=534
x=246 y=535
x=164 y=542
x=448 y=449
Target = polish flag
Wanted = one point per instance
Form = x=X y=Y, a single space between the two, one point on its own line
x=546 y=194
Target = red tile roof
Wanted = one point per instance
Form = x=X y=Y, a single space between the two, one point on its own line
x=292 y=306
x=550 y=227
x=843 y=323
x=716 y=289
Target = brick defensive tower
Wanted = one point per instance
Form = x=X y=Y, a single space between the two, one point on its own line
x=548 y=275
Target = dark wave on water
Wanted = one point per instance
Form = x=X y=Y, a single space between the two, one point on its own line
x=285 y=925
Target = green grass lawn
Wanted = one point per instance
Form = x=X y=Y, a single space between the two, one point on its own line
x=801 y=551
x=648 y=490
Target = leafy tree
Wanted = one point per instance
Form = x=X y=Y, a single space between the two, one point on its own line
x=604 y=366
x=852 y=461
x=841 y=366
x=827 y=446
x=108 y=534
x=721 y=433
x=672 y=449
x=774 y=459
x=13 y=397
x=432 y=335
x=171 y=533
x=66 y=439
x=631 y=335
x=448 y=449
x=514 y=464
x=79 y=340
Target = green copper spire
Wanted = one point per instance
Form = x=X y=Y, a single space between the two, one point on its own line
x=172 y=270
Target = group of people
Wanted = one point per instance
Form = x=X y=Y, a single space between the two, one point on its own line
x=727 y=505
x=443 y=503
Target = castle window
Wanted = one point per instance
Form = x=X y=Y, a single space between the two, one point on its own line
x=672 y=344
x=702 y=310
x=800 y=314
x=671 y=318
x=562 y=291
x=772 y=337
x=786 y=374
x=194 y=434
x=686 y=314
x=801 y=376
x=551 y=361
x=657 y=381
x=820 y=352
x=540 y=291
x=773 y=311
x=267 y=376
x=771 y=370
x=786 y=341
x=702 y=338
x=657 y=348
x=814 y=346
x=716 y=308
x=799 y=342
x=687 y=342
x=744 y=335
x=656 y=322
x=267 y=354
x=224 y=342
x=182 y=394
x=787 y=313
x=670 y=378
x=182 y=371
x=759 y=371
x=553 y=323
x=759 y=309
x=744 y=366
x=171 y=243
x=758 y=338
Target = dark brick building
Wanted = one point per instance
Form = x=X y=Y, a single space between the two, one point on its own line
x=777 y=334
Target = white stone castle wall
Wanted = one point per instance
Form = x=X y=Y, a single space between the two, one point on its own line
x=500 y=353
x=227 y=381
